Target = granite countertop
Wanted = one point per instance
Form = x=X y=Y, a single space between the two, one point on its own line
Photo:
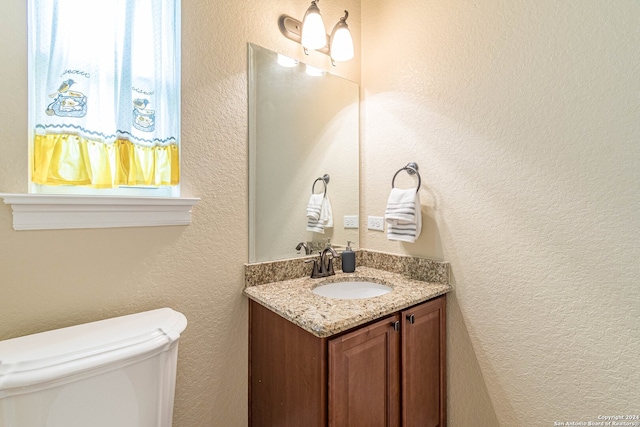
x=323 y=317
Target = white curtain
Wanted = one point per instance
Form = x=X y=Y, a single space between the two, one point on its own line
x=104 y=72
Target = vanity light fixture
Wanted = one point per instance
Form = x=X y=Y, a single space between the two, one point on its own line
x=310 y=33
x=341 y=42
x=313 y=71
x=285 y=61
x=313 y=36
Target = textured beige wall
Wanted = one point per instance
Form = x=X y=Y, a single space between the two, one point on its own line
x=524 y=119
x=51 y=279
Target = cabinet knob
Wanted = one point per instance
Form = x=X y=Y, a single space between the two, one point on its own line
x=411 y=318
x=396 y=325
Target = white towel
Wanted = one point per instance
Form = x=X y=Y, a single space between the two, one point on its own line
x=325 y=214
x=314 y=207
x=403 y=217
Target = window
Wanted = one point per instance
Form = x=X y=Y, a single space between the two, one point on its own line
x=104 y=88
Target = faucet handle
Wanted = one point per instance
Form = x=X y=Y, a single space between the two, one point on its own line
x=330 y=271
x=315 y=273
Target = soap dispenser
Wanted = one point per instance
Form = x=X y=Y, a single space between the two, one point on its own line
x=348 y=259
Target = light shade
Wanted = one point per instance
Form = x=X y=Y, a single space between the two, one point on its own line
x=313 y=35
x=313 y=71
x=341 y=41
x=285 y=61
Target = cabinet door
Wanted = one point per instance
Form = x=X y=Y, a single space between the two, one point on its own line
x=287 y=373
x=424 y=365
x=364 y=379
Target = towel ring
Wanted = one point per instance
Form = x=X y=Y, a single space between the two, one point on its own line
x=325 y=180
x=412 y=169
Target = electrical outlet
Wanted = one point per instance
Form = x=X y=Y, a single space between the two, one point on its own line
x=351 y=221
x=375 y=223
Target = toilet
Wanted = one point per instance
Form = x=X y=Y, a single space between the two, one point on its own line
x=117 y=372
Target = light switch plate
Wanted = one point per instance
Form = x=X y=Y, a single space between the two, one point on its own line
x=375 y=223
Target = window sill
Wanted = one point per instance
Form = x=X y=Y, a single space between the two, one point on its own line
x=55 y=212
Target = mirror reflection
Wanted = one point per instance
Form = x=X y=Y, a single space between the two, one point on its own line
x=303 y=133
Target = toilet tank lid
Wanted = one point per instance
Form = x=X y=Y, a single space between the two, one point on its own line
x=50 y=355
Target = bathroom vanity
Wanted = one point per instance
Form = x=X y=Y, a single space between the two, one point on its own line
x=319 y=358
x=318 y=361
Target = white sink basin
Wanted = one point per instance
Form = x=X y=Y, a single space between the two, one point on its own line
x=351 y=290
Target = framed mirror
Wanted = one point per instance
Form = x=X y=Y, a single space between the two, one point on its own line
x=303 y=125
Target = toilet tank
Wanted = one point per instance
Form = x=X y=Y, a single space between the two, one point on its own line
x=118 y=372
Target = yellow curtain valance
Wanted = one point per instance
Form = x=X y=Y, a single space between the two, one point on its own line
x=66 y=159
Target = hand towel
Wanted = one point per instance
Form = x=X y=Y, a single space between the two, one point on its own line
x=403 y=217
x=314 y=207
x=327 y=213
x=325 y=217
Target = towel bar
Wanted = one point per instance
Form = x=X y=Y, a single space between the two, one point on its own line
x=325 y=180
x=412 y=169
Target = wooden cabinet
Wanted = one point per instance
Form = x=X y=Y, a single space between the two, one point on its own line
x=287 y=372
x=424 y=377
x=390 y=372
x=364 y=376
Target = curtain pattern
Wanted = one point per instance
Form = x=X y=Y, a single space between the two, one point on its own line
x=105 y=92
